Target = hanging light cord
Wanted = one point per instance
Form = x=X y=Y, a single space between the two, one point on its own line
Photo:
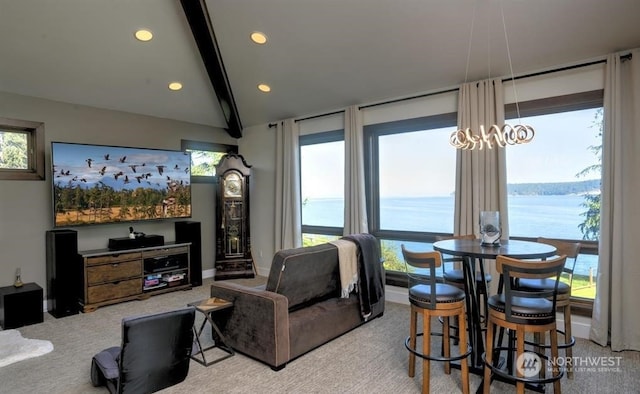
x=466 y=138
x=473 y=21
x=513 y=80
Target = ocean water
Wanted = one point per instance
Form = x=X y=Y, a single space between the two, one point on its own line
x=529 y=216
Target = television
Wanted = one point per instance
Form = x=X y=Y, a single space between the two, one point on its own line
x=97 y=184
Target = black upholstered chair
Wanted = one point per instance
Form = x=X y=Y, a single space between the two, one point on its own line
x=154 y=354
x=524 y=312
x=431 y=299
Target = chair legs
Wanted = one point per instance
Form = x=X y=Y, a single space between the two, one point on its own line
x=426 y=349
x=493 y=350
x=412 y=341
x=464 y=349
x=568 y=337
x=568 y=343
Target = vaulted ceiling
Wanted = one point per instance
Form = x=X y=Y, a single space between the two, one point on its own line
x=321 y=55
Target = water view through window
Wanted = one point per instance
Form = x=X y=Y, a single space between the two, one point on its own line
x=416 y=213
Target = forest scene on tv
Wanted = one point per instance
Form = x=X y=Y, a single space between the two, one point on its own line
x=104 y=184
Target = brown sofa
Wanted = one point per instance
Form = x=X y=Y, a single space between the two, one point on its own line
x=300 y=307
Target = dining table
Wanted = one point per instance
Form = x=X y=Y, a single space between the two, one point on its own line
x=472 y=251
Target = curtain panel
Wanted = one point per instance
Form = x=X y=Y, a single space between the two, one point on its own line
x=355 y=204
x=481 y=175
x=614 y=319
x=288 y=222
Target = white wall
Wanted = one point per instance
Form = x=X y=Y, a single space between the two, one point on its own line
x=26 y=207
x=258 y=147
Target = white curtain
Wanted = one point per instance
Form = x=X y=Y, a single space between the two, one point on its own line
x=355 y=207
x=288 y=225
x=615 y=319
x=481 y=175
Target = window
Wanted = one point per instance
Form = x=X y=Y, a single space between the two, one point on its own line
x=204 y=157
x=554 y=181
x=410 y=185
x=21 y=150
x=322 y=186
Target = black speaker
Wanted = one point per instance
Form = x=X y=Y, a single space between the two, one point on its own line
x=189 y=231
x=64 y=273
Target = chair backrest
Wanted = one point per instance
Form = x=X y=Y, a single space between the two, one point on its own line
x=514 y=269
x=445 y=237
x=155 y=350
x=453 y=259
x=566 y=248
x=422 y=260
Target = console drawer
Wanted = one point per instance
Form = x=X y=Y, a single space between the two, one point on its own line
x=164 y=252
x=113 y=258
x=111 y=272
x=111 y=291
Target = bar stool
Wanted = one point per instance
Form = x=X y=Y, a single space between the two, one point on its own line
x=524 y=312
x=434 y=299
x=563 y=302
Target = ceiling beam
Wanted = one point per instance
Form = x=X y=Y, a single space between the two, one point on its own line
x=202 y=29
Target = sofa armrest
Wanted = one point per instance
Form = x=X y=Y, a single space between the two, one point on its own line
x=257 y=324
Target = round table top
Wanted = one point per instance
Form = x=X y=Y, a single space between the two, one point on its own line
x=512 y=248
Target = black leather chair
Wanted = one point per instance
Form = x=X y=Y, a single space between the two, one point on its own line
x=154 y=354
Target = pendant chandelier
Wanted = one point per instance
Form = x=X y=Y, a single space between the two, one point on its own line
x=494 y=135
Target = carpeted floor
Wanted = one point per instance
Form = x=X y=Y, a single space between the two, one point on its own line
x=369 y=359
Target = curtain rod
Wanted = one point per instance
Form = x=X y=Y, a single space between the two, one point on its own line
x=624 y=57
x=627 y=56
x=311 y=117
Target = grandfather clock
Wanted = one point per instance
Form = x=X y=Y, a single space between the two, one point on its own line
x=233 y=240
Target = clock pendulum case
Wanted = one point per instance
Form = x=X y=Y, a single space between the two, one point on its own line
x=233 y=240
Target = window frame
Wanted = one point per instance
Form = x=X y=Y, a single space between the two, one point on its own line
x=372 y=178
x=554 y=105
x=313 y=139
x=35 y=150
x=207 y=147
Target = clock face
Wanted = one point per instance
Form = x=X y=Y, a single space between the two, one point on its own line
x=232 y=186
x=233 y=230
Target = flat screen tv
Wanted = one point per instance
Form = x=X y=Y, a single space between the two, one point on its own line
x=95 y=184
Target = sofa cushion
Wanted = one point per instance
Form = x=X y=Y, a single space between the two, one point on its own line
x=305 y=275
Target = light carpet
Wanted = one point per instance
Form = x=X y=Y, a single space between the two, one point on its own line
x=14 y=347
x=370 y=359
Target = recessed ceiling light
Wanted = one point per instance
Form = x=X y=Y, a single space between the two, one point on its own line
x=263 y=87
x=175 y=86
x=144 y=35
x=258 y=37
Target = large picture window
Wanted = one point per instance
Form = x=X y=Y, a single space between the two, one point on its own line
x=410 y=185
x=554 y=181
x=322 y=186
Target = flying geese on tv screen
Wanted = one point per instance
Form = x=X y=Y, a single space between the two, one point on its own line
x=95 y=184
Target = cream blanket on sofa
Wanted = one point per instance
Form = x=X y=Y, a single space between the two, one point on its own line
x=348 y=262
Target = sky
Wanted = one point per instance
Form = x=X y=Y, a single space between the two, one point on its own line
x=410 y=168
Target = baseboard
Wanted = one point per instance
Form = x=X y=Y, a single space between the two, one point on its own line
x=208 y=273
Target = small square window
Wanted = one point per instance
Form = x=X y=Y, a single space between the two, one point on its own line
x=21 y=150
x=204 y=158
